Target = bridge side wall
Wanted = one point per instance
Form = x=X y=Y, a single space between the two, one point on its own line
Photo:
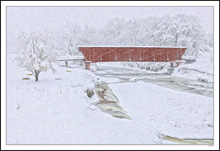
x=131 y=54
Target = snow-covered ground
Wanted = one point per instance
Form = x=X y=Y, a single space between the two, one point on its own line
x=172 y=113
x=201 y=69
x=56 y=110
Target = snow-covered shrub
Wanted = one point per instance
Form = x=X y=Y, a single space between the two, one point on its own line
x=36 y=52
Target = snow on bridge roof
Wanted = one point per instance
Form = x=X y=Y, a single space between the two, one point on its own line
x=136 y=46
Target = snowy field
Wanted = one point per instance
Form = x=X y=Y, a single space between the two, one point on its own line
x=59 y=112
x=56 y=110
x=172 y=113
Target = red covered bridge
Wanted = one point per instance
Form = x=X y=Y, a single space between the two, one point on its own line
x=131 y=54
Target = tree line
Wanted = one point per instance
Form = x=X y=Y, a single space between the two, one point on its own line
x=179 y=30
x=38 y=50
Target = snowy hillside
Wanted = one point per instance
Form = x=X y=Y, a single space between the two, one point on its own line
x=172 y=113
x=56 y=110
x=202 y=69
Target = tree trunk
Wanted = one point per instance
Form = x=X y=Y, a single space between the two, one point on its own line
x=36 y=78
x=36 y=75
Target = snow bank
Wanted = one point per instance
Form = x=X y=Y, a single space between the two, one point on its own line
x=56 y=110
x=172 y=113
x=160 y=67
x=201 y=69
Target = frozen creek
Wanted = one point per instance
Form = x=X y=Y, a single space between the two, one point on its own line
x=109 y=103
x=163 y=80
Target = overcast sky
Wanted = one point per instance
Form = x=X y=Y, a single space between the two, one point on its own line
x=38 y=18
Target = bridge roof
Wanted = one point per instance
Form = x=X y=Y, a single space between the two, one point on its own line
x=134 y=46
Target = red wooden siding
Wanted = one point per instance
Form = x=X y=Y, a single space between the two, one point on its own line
x=133 y=54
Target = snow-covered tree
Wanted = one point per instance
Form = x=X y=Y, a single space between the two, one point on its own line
x=36 y=52
x=113 y=32
x=71 y=38
x=177 y=30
